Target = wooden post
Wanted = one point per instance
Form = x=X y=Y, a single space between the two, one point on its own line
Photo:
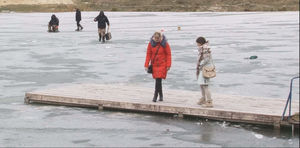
x=293 y=130
x=26 y=100
x=277 y=125
x=100 y=107
x=180 y=115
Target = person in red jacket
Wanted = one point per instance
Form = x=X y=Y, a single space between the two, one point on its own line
x=159 y=53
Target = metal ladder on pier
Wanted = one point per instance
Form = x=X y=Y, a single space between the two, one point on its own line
x=292 y=119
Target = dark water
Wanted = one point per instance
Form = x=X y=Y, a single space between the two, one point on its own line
x=31 y=58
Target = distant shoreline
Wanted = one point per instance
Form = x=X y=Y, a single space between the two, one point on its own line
x=156 y=6
x=149 y=11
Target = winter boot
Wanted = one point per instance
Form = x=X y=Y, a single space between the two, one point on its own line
x=201 y=101
x=103 y=39
x=161 y=98
x=208 y=104
x=100 y=37
x=155 y=96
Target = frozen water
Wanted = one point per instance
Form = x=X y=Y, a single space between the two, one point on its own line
x=31 y=58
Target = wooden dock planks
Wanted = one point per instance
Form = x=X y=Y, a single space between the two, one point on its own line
x=226 y=107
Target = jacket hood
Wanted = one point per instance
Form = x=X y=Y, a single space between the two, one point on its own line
x=101 y=13
x=163 y=42
x=53 y=17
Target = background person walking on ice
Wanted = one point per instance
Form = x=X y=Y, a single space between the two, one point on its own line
x=78 y=19
x=102 y=21
x=204 y=60
x=159 y=53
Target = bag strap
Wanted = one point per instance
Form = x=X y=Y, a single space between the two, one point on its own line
x=152 y=61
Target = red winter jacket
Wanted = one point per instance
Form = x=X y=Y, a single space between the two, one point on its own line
x=162 y=59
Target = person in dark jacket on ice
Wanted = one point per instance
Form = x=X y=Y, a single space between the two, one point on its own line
x=53 y=24
x=78 y=19
x=102 y=21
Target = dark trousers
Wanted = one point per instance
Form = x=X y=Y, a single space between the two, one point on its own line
x=158 y=86
x=78 y=25
x=158 y=90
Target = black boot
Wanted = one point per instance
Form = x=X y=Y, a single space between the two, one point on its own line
x=161 y=98
x=155 y=96
x=103 y=39
x=100 y=37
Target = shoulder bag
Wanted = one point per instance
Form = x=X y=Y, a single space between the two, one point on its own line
x=209 y=71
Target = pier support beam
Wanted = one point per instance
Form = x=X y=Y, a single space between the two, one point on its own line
x=276 y=125
x=180 y=115
x=100 y=107
x=293 y=130
x=26 y=100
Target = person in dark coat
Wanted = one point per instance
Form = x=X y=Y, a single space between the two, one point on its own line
x=53 y=24
x=159 y=53
x=78 y=19
x=102 y=21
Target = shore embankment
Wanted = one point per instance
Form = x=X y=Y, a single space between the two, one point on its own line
x=149 y=5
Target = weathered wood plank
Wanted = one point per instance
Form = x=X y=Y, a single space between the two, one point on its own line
x=226 y=107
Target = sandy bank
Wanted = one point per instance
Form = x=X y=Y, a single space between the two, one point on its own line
x=34 y=2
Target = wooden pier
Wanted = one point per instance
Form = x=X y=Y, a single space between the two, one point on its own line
x=256 y=110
